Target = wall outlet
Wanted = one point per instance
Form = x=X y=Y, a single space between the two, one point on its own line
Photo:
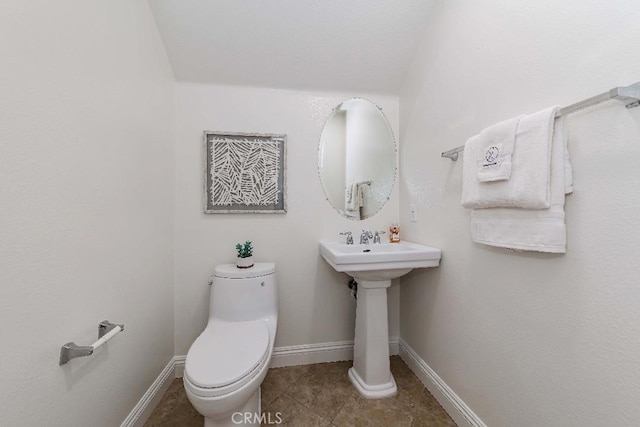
x=413 y=213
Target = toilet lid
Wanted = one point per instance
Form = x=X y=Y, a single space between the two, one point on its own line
x=231 y=271
x=225 y=352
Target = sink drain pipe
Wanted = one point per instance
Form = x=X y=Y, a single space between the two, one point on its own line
x=353 y=285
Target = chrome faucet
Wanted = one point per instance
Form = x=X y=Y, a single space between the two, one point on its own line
x=349 y=237
x=376 y=238
x=365 y=236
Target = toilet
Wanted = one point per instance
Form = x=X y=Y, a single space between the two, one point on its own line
x=228 y=361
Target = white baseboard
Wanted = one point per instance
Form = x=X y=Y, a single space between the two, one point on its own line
x=143 y=409
x=394 y=346
x=319 y=353
x=282 y=356
x=179 y=364
x=307 y=354
x=451 y=402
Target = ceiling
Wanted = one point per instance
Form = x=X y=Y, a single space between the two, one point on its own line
x=327 y=45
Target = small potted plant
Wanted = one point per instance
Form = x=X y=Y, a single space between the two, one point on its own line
x=245 y=255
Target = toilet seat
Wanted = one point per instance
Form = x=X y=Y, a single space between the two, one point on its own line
x=226 y=356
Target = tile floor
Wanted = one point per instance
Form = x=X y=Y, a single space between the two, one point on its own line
x=321 y=395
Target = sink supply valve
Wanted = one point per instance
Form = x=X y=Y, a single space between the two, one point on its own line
x=349 y=237
x=376 y=238
x=353 y=285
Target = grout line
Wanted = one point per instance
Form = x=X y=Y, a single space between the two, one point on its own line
x=311 y=410
x=281 y=391
x=339 y=410
x=305 y=406
x=297 y=378
x=284 y=390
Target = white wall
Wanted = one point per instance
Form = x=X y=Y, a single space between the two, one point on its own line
x=527 y=339
x=315 y=304
x=86 y=189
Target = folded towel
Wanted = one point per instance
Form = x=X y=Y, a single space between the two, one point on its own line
x=350 y=190
x=540 y=230
x=494 y=150
x=528 y=186
x=354 y=200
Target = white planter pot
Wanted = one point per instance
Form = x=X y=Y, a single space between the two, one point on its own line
x=244 y=262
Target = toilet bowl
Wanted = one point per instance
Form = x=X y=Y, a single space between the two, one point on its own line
x=228 y=361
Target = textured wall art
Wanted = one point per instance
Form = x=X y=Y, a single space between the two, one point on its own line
x=244 y=173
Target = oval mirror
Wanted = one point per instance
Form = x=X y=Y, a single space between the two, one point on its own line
x=357 y=159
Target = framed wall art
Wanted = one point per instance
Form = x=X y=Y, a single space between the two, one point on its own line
x=244 y=173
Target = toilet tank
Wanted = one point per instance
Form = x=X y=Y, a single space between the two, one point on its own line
x=239 y=294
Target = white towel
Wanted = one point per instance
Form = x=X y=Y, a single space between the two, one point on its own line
x=528 y=186
x=353 y=200
x=494 y=148
x=540 y=230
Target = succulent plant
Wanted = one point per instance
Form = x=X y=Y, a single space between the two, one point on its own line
x=246 y=250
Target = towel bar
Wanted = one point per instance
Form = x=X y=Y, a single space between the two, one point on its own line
x=106 y=331
x=630 y=95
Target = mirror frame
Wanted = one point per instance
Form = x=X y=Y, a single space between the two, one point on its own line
x=395 y=152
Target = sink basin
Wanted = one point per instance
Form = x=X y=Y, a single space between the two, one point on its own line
x=373 y=266
x=378 y=261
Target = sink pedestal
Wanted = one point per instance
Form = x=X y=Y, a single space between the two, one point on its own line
x=373 y=267
x=370 y=373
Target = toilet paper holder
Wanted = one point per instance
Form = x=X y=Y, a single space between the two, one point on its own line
x=106 y=331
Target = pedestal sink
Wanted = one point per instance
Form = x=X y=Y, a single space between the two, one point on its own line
x=373 y=266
